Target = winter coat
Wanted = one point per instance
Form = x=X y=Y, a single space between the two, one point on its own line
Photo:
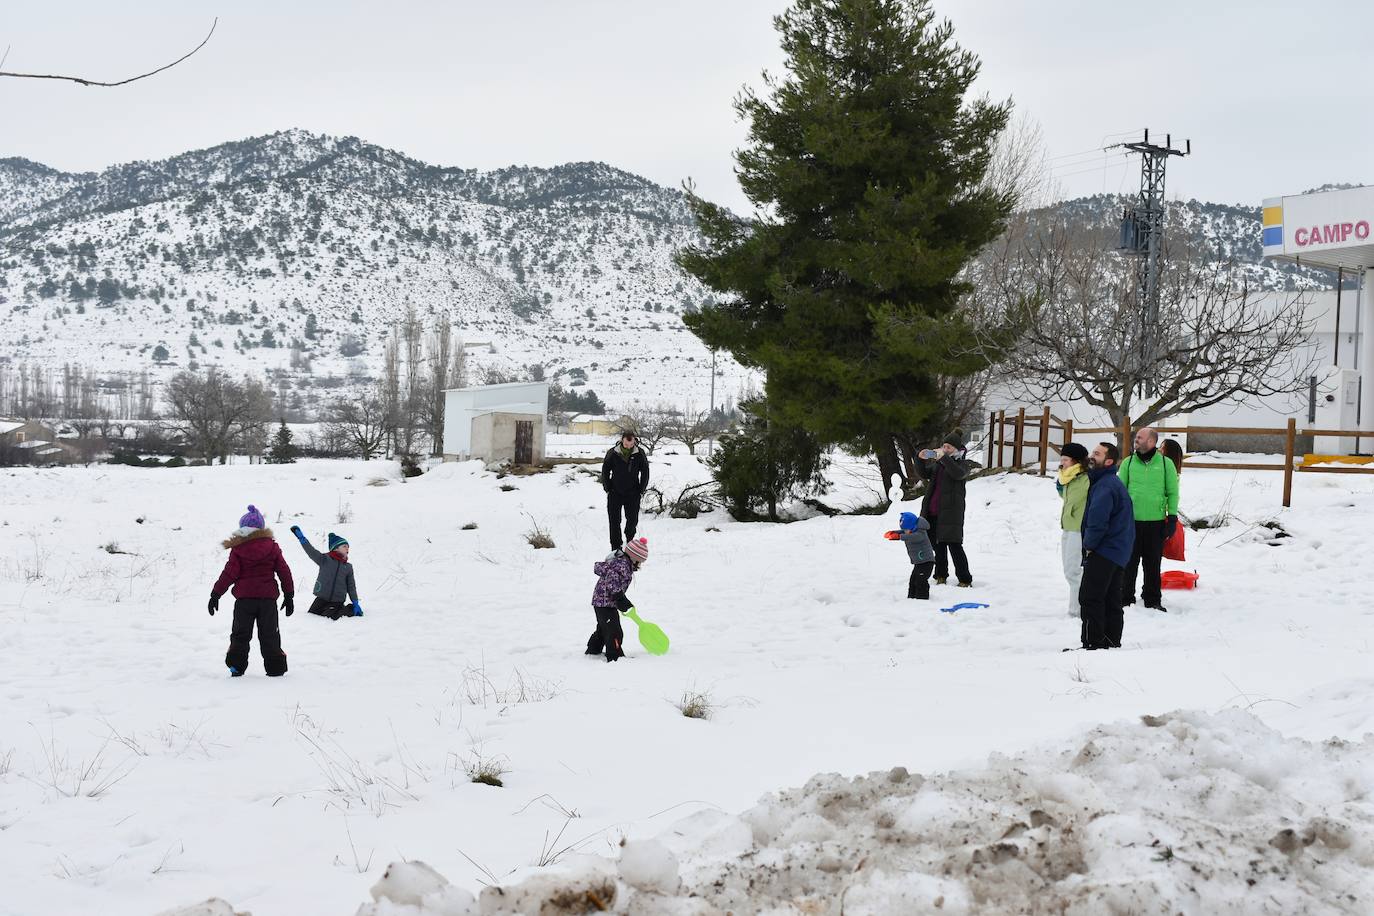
x=1108 y=525
x=1075 y=497
x=255 y=564
x=625 y=475
x=917 y=543
x=615 y=574
x=946 y=478
x=1153 y=486
x=335 y=579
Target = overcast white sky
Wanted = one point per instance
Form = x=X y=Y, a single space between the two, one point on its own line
x=1274 y=95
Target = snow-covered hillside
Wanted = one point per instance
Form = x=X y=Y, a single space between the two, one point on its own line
x=136 y=776
x=290 y=254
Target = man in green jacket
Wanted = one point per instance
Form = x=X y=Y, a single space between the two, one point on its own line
x=1152 y=481
x=1072 y=485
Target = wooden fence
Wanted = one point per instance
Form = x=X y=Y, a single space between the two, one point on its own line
x=1044 y=424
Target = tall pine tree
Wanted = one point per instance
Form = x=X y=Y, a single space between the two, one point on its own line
x=867 y=167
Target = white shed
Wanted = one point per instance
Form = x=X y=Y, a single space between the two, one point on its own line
x=496 y=422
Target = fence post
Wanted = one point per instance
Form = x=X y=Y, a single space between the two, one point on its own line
x=992 y=433
x=1001 y=436
x=1020 y=437
x=1045 y=440
x=1290 y=442
x=1068 y=433
x=1125 y=437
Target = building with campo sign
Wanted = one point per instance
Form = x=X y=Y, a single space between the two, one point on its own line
x=1332 y=230
x=1335 y=230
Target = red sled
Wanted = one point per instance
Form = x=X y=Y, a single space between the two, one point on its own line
x=1177 y=578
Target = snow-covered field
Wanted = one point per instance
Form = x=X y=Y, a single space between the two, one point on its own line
x=136 y=776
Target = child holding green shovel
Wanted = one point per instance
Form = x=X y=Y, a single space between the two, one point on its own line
x=609 y=599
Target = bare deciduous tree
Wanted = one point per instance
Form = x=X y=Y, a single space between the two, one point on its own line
x=651 y=424
x=1216 y=341
x=361 y=422
x=692 y=427
x=438 y=381
x=217 y=414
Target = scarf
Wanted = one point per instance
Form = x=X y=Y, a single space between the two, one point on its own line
x=1066 y=475
x=338 y=556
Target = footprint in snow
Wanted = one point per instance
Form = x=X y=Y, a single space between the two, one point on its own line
x=853 y=620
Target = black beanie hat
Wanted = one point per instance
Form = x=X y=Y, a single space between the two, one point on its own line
x=955 y=439
x=1075 y=451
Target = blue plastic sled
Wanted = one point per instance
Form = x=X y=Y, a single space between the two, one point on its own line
x=962 y=607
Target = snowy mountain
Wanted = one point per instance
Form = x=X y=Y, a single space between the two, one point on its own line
x=1228 y=232
x=291 y=254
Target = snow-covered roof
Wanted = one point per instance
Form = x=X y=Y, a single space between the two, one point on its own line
x=593 y=417
x=50 y=451
x=9 y=426
x=33 y=443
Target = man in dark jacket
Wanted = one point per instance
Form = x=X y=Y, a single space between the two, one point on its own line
x=624 y=477
x=946 y=471
x=1108 y=536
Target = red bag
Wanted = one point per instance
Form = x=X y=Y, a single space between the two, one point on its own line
x=1173 y=547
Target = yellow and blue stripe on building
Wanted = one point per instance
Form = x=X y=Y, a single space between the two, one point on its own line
x=1272 y=223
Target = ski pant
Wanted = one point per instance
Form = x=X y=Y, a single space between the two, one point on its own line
x=944 y=551
x=608 y=636
x=263 y=613
x=919 y=584
x=1099 y=597
x=1147 y=552
x=1071 y=549
x=331 y=609
x=616 y=503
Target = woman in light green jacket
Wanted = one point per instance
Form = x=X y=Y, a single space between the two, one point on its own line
x=1072 y=485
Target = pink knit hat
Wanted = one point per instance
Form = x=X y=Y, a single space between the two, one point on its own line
x=638 y=551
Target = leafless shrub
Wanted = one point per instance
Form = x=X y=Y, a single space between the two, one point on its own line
x=90 y=777
x=480 y=690
x=695 y=704
x=480 y=768
x=537 y=537
x=345 y=513
x=348 y=779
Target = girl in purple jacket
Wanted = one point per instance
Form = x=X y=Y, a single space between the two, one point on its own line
x=609 y=599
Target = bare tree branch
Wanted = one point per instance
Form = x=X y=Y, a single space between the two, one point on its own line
x=1216 y=341
x=125 y=82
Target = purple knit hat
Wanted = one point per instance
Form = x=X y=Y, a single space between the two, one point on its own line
x=253 y=519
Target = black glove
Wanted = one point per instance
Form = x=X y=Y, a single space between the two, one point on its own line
x=1170 y=526
x=288 y=604
x=296 y=530
x=214 y=603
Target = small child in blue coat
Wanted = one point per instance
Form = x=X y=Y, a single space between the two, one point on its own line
x=918 y=548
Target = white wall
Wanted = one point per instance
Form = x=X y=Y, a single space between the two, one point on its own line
x=461 y=405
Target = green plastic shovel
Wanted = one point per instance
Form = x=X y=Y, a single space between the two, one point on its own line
x=651 y=637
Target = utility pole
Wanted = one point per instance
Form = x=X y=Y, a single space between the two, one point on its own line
x=1142 y=233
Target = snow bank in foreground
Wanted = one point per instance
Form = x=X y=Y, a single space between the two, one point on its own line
x=1187 y=812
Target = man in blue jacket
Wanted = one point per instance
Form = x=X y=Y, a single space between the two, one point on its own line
x=1108 y=537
